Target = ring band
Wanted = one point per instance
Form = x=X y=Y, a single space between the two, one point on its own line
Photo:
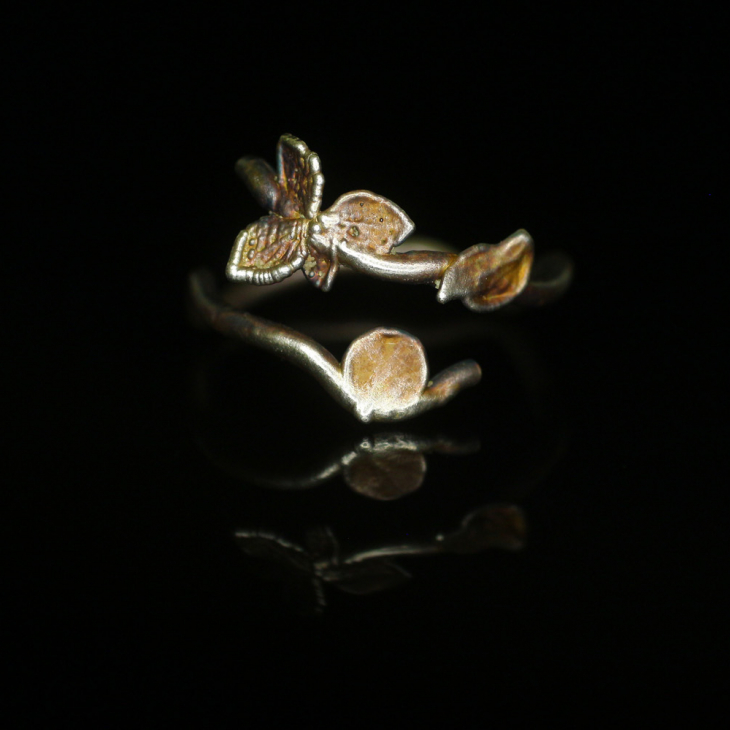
x=384 y=374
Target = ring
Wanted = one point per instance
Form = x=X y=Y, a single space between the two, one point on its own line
x=384 y=373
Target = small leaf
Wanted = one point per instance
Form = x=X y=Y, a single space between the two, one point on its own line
x=489 y=276
x=300 y=179
x=385 y=370
x=366 y=222
x=268 y=250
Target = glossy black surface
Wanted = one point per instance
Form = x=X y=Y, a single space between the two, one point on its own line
x=146 y=444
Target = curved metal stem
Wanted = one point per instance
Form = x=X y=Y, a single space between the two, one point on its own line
x=293 y=346
x=448 y=383
x=415 y=267
x=549 y=278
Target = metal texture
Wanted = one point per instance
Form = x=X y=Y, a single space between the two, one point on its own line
x=360 y=231
x=383 y=375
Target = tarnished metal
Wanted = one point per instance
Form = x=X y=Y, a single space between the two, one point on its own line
x=486 y=277
x=295 y=235
x=383 y=375
x=360 y=230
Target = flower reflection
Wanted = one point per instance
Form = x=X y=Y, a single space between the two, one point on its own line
x=320 y=559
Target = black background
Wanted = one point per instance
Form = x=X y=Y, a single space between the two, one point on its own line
x=599 y=132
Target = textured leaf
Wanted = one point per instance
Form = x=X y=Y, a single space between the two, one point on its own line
x=366 y=222
x=385 y=370
x=300 y=179
x=489 y=276
x=268 y=250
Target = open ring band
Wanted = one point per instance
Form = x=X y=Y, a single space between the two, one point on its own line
x=383 y=375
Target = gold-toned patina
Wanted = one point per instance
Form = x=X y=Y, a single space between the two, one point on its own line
x=295 y=235
x=384 y=374
x=359 y=230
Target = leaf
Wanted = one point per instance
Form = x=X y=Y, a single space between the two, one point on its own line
x=385 y=370
x=317 y=267
x=366 y=222
x=300 y=179
x=268 y=250
x=489 y=276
